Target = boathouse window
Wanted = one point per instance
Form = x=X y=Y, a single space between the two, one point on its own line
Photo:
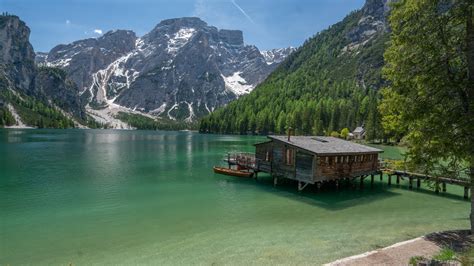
x=289 y=156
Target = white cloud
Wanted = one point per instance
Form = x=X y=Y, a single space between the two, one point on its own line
x=98 y=31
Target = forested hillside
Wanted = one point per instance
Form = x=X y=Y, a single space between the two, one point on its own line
x=329 y=83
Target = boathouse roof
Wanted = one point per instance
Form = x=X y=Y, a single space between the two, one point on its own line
x=322 y=145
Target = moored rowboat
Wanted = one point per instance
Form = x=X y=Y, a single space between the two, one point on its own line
x=232 y=172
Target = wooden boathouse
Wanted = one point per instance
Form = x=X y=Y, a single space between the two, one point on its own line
x=320 y=159
x=315 y=159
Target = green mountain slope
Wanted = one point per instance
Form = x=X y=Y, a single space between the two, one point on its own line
x=329 y=83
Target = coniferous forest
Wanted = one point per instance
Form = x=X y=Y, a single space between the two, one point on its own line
x=320 y=88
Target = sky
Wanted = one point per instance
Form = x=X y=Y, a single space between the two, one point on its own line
x=265 y=23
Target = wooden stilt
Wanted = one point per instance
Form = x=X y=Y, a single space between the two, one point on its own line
x=302 y=185
x=318 y=186
x=398 y=180
x=371 y=180
x=389 y=180
x=337 y=184
x=381 y=176
x=466 y=192
x=418 y=183
x=275 y=181
x=437 y=188
x=444 y=186
x=410 y=184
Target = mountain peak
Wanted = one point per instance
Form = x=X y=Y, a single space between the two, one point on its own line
x=184 y=22
x=232 y=37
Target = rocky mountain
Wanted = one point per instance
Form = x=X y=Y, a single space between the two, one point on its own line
x=181 y=70
x=329 y=83
x=276 y=56
x=31 y=95
x=16 y=53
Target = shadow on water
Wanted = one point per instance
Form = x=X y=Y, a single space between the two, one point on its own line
x=349 y=194
x=328 y=197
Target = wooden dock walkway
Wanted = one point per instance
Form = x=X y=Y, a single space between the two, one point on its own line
x=466 y=184
x=247 y=161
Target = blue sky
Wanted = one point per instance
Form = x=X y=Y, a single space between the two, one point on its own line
x=265 y=23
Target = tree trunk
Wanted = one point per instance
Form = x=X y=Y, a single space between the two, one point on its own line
x=470 y=65
x=471 y=173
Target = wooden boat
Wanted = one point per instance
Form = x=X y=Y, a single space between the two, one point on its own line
x=232 y=172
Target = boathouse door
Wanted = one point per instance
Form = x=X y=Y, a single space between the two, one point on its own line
x=304 y=166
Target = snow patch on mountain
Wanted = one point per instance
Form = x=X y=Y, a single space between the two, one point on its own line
x=180 y=39
x=276 y=56
x=237 y=84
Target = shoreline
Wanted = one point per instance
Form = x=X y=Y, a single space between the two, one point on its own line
x=401 y=252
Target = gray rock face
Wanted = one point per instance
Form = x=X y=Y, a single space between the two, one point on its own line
x=276 y=56
x=16 y=53
x=82 y=59
x=182 y=69
x=372 y=23
x=18 y=71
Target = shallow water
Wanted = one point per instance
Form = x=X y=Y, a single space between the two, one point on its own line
x=127 y=197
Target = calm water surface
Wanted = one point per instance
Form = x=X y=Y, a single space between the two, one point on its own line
x=128 y=197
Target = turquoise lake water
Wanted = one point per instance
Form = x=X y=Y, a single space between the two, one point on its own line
x=150 y=197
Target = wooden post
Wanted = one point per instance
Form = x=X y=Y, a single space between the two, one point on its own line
x=466 y=192
x=444 y=186
x=372 y=180
x=389 y=180
x=362 y=182
x=381 y=176
x=410 y=184
x=318 y=186
x=228 y=159
x=418 y=182
x=398 y=180
x=301 y=187
x=275 y=181
x=437 y=188
x=337 y=184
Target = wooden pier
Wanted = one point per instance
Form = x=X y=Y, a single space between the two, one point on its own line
x=248 y=162
x=466 y=184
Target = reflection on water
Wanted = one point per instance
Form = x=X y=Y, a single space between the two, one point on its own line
x=150 y=197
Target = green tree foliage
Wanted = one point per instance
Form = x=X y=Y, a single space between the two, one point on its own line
x=318 y=89
x=36 y=113
x=6 y=118
x=430 y=66
x=147 y=123
x=334 y=134
x=344 y=133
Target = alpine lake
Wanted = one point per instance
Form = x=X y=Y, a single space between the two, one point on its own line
x=151 y=197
